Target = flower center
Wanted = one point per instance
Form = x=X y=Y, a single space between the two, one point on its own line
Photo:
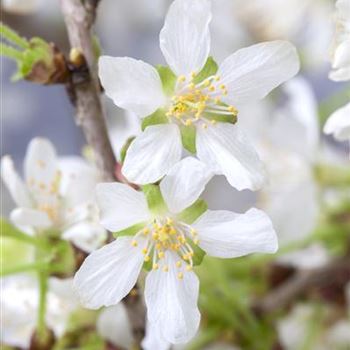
x=162 y=235
x=199 y=102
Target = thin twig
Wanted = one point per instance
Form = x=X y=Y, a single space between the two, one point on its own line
x=79 y=16
x=89 y=111
x=301 y=282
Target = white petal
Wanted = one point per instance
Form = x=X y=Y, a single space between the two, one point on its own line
x=251 y=73
x=228 y=151
x=341 y=74
x=339 y=123
x=14 y=183
x=132 y=84
x=30 y=217
x=113 y=325
x=225 y=234
x=184 y=183
x=120 y=206
x=153 y=339
x=172 y=303
x=185 y=37
x=78 y=181
x=40 y=164
x=342 y=55
x=152 y=154
x=108 y=274
x=87 y=236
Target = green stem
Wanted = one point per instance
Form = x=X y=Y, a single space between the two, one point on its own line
x=10 y=52
x=10 y=35
x=37 y=266
x=41 y=323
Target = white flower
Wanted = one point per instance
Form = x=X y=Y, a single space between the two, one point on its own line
x=338 y=123
x=195 y=106
x=57 y=194
x=341 y=51
x=19 y=302
x=168 y=241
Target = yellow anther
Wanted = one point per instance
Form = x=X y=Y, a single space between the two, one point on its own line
x=181 y=78
x=134 y=243
x=158 y=246
x=147 y=258
x=213 y=121
x=172 y=231
x=206 y=83
x=192 y=86
x=189 y=268
x=155 y=236
x=222 y=86
x=166 y=268
x=217 y=100
x=211 y=88
x=161 y=255
x=155 y=266
x=204 y=126
x=232 y=109
x=193 y=231
x=146 y=231
x=180 y=275
x=216 y=78
x=169 y=221
x=185 y=257
x=178 y=263
x=193 y=75
x=144 y=250
x=196 y=241
x=188 y=122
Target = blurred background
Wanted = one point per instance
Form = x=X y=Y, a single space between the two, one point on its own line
x=286 y=127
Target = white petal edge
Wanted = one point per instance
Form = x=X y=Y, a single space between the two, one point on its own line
x=120 y=206
x=152 y=154
x=172 y=303
x=153 y=339
x=225 y=234
x=338 y=123
x=14 y=183
x=30 y=217
x=184 y=183
x=108 y=274
x=40 y=163
x=185 y=37
x=132 y=84
x=225 y=149
x=252 y=72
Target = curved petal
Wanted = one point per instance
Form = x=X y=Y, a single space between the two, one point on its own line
x=225 y=234
x=40 y=164
x=339 y=123
x=152 y=154
x=108 y=274
x=184 y=183
x=153 y=339
x=120 y=206
x=14 y=183
x=227 y=151
x=172 y=303
x=132 y=84
x=30 y=217
x=251 y=73
x=185 y=37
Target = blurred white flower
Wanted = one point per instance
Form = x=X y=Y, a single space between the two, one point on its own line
x=167 y=241
x=244 y=77
x=338 y=123
x=57 y=194
x=341 y=50
x=20 y=6
x=19 y=302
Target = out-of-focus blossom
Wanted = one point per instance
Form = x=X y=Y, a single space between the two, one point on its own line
x=57 y=194
x=166 y=240
x=19 y=302
x=308 y=324
x=202 y=105
x=341 y=51
x=338 y=123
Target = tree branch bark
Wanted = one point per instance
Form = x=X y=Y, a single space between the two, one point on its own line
x=335 y=272
x=79 y=16
x=89 y=110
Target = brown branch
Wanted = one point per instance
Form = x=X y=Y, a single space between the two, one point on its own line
x=89 y=111
x=334 y=273
x=79 y=17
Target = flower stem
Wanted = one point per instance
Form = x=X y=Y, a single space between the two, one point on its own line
x=39 y=265
x=43 y=286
